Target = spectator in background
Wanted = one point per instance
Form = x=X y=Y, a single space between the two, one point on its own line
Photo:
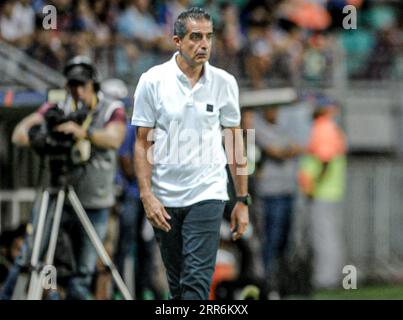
x=316 y=58
x=83 y=17
x=381 y=59
x=322 y=179
x=288 y=44
x=64 y=14
x=51 y=46
x=48 y=47
x=258 y=57
x=213 y=7
x=10 y=245
x=80 y=43
x=82 y=26
x=229 y=40
x=276 y=187
x=169 y=12
x=136 y=22
x=102 y=35
x=38 y=5
x=101 y=26
x=141 y=37
x=17 y=22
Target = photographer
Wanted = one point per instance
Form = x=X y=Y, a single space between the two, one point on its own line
x=101 y=130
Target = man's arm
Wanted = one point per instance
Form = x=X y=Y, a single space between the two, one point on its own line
x=240 y=213
x=288 y=152
x=109 y=137
x=155 y=211
x=20 y=134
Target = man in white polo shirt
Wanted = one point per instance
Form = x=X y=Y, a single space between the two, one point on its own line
x=182 y=106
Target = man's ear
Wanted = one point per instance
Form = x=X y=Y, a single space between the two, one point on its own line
x=177 y=41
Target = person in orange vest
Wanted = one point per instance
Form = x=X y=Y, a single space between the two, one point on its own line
x=322 y=179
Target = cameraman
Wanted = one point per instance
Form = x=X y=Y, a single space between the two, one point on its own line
x=104 y=127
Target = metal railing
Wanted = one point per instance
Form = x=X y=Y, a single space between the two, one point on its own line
x=20 y=68
x=11 y=219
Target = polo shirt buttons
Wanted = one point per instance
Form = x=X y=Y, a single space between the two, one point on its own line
x=190 y=101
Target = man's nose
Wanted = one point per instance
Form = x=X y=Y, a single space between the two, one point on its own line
x=205 y=43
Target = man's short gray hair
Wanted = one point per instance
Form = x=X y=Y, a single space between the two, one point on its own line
x=194 y=13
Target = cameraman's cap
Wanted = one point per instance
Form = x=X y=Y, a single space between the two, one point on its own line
x=78 y=74
x=79 y=69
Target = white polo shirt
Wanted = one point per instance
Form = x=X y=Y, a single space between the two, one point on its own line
x=188 y=156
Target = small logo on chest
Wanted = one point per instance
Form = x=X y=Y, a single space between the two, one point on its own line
x=210 y=108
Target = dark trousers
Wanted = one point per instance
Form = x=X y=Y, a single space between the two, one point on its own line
x=277 y=215
x=189 y=249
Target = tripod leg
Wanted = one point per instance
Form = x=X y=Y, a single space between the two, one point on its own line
x=18 y=277
x=37 y=244
x=37 y=291
x=97 y=243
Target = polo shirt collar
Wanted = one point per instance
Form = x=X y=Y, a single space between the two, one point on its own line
x=181 y=76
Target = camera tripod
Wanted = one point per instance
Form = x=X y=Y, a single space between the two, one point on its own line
x=37 y=276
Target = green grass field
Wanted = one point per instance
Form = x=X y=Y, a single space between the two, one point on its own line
x=372 y=292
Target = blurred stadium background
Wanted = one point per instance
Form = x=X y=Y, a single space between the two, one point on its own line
x=286 y=49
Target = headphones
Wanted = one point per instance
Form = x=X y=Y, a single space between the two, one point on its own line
x=87 y=65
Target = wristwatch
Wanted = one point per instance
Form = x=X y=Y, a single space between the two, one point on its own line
x=247 y=200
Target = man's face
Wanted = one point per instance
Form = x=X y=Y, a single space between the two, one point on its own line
x=195 y=47
x=83 y=92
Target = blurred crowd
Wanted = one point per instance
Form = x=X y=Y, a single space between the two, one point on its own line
x=263 y=42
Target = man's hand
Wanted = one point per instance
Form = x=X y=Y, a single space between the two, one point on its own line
x=239 y=220
x=73 y=128
x=156 y=212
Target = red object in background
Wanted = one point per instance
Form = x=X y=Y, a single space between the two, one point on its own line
x=8 y=98
x=355 y=3
x=222 y=272
x=310 y=15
